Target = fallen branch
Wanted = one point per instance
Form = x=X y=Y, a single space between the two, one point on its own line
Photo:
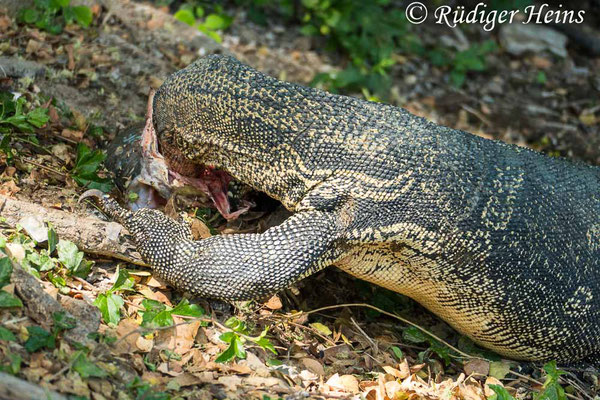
x=13 y=388
x=90 y=234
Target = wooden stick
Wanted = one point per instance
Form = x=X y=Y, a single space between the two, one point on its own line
x=90 y=234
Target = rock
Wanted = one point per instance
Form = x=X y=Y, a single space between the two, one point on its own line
x=17 y=68
x=34 y=228
x=520 y=38
x=88 y=319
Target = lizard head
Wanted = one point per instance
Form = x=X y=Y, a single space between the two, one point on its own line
x=219 y=114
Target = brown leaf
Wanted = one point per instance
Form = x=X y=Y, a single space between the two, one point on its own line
x=145 y=345
x=199 y=229
x=491 y=381
x=71 y=63
x=394 y=372
x=72 y=134
x=187 y=379
x=79 y=120
x=471 y=392
x=313 y=366
x=346 y=383
x=5 y=23
x=274 y=303
x=404 y=368
x=9 y=188
x=33 y=46
x=126 y=327
x=541 y=62
x=477 y=367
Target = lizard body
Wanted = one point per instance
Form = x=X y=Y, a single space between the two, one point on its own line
x=500 y=241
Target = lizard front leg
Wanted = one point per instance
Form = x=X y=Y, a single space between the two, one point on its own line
x=231 y=267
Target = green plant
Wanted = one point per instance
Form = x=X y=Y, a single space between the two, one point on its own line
x=53 y=15
x=210 y=24
x=15 y=120
x=40 y=338
x=7 y=300
x=414 y=335
x=157 y=314
x=110 y=303
x=472 y=59
x=237 y=338
x=551 y=390
x=369 y=33
x=143 y=391
x=500 y=393
x=87 y=164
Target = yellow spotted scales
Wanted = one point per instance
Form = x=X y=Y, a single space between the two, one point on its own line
x=500 y=241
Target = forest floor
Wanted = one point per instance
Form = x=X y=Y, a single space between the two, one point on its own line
x=330 y=336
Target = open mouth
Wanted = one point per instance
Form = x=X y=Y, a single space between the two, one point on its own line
x=171 y=171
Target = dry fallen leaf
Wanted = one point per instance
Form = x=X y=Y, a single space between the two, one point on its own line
x=346 y=383
x=145 y=345
x=313 y=366
x=72 y=134
x=274 y=303
x=9 y=188
x=477 y=367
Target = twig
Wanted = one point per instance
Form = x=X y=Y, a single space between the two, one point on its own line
x=389 y=314
x=373 y=343
x=477 y=114
x=44 y=167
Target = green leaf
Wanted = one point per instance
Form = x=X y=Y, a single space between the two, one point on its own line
x=52 y=238
x=123 y=281
x=60 y=3
x=414 y=335
x=5 y=334
x=69 y=256
x=85 y=368
x=235 y=349
x=30 y=16
x=272 y=362
x=499 y=369
x=236 y=325
x=38 y=117
x=83 y=15
x=87 y=161
x=211 y=34
x=86 y=167
x=321 y=328
x=500 y=393
x=39 y=338
x=5 y=271
x=397 y=352
x=63 y=321
x=551 y=390
x=7 y=300
x=457 y=78
x=541 y=77
x=266 y=344
x=186 y=16
x=14 y=366
x=56 y=280
x=41 y=261
x=110 y=307
x=189 y=310
x=216 y=22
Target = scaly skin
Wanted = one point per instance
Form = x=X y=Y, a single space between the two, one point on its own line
x=501 y=242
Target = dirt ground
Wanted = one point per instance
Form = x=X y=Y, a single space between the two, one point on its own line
x=99 y=77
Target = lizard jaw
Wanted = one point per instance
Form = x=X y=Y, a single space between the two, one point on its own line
x=166 y=173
